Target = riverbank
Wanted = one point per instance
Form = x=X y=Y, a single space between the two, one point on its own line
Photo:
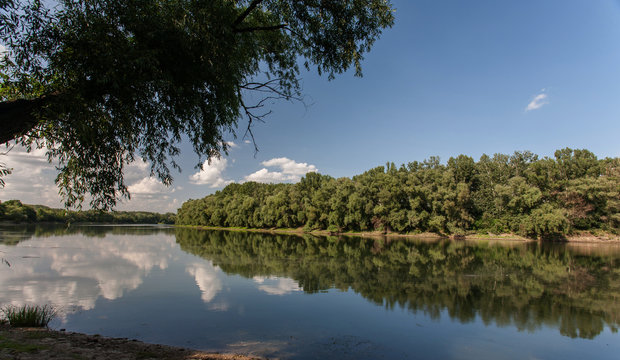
x=578 y=237
x=40 y=344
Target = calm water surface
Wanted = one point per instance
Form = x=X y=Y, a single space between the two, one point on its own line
x=295 y=297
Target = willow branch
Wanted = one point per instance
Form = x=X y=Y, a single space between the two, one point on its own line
x=246 y=12
x=17 y=117
x=261 y=28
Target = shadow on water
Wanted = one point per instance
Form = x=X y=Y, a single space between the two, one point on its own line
x=527 y=286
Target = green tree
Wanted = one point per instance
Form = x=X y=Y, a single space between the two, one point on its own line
x=572 y=164
x=490 y=172
x=15 y=211
x=518 y=194
x=100 y=82
x=340 y=218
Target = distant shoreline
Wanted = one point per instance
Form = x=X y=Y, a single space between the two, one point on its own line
x=579 y=237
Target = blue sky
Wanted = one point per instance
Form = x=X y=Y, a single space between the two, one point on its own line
x=451 y=77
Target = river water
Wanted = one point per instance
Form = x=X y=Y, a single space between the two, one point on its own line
x=307 y=297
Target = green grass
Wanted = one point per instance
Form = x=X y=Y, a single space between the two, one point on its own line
x=29 y=315
x=19 y=347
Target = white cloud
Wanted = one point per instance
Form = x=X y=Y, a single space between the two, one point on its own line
x=33 y=182
x=211 y=174
x=247 y=141
x=136 y=171
x=265 y=176
x=32 y=178
x=231 y=144
x=148 y=185
x=289 y=171
x=538 y=101
x=289 y=166
x=147 y=192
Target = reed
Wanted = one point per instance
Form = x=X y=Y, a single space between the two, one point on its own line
x=29 y=315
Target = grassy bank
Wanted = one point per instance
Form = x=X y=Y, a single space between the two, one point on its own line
x=581 y=236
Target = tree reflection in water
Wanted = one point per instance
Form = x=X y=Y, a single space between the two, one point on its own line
x=523 y=285
x=528 y=286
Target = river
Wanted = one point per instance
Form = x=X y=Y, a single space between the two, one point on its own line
x=308 y=297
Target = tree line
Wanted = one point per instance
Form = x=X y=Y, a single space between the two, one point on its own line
x=15 y=212
x=528 y=286
x=521 y=193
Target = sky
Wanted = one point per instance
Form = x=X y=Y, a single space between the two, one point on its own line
x=450 y=77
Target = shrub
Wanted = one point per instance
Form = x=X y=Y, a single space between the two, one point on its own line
x=547 y=222
x=29 y=315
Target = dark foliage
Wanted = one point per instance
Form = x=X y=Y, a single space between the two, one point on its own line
x=521 y=194
x=101 y=82
x=15 y=212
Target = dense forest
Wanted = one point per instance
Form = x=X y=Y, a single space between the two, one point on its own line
x=521 y=194
x=529 y=286
x=16 y=212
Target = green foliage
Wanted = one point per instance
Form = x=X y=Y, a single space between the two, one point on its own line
x=547 y=222
x=520 y=194
x=29 y=315
x=4 y=171
x=15 y=212
x=19 y=347
x=101 y=82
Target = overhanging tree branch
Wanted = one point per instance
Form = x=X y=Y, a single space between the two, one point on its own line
x=269 y=87
x=162 y=70
x=17 y=117
x=246 y=12
x=261 y=28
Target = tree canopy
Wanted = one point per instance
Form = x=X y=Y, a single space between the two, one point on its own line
x=102 y=82
x=520 y=194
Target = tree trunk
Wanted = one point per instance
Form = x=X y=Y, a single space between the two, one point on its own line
x=17 y=117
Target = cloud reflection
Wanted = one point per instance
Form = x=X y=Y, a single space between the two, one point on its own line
x=206 y=276
x=72 y=272
x=274 y=285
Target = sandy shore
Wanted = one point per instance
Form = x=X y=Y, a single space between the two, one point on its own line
x=39 y=344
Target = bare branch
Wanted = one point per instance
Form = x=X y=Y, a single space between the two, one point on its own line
x=248 y=130
x=271 y=87
x=258 y=85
